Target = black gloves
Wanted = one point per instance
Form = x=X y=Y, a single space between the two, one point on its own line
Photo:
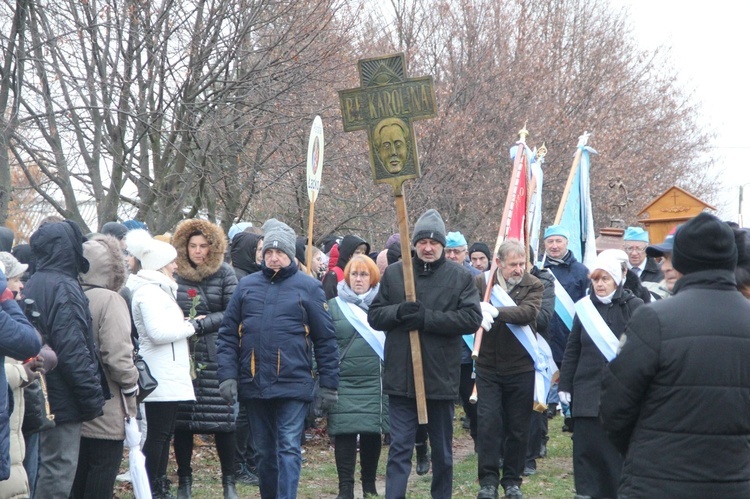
x=228 y=391
x=325 y=400
x=411 y=315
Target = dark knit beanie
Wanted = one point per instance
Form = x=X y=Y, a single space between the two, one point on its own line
x=482 y=248
x=280 y=236
x=704 y=243
x=115 y=229
x=429 y=226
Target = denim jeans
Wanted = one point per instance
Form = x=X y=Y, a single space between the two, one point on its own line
x=31 y=461
x=277 y=426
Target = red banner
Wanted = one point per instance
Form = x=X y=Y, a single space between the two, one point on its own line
x=519 y=203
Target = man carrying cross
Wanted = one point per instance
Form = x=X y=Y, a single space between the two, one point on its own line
x=447 y=307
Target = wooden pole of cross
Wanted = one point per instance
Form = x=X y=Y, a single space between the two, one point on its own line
x=385 y=105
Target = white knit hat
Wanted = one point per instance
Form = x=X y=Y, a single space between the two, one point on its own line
x=10 y=266
x=152 y=253
x=610 y=265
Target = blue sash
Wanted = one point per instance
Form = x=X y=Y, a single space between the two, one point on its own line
x=358 y=318
x=564 y=305
x=603 y=337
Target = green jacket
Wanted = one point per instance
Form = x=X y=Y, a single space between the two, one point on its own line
x=362 y=406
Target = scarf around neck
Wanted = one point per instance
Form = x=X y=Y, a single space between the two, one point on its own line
x=362 y=301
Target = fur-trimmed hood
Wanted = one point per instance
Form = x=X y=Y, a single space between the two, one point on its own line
x=218 y=245
x=106 y=263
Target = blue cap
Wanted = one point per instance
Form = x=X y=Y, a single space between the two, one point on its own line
x=134 y=224
x=556 y=230
x=636 y=234
x=237 y=228
x=454 y=240
x=658 y=250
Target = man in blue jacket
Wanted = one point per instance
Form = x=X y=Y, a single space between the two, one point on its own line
x=20 y=341
x=274 y=320
x=572 y=276
x=75 y=389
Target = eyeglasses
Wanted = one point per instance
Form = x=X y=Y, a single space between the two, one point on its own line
x=634 y=249
x=363 y=275
x=454 y=251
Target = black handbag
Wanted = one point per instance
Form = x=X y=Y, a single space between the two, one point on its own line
x=146 y=381
x=36 y=418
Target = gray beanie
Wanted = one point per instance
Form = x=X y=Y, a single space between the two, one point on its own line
x=429 y=226
x=280 y=236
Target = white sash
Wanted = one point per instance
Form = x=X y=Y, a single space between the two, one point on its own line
x=603 y=337
x=358 y=318
x=529 y=340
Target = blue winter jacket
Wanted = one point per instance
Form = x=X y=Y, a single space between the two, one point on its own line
x=574 y=276
x=18 y=340
x=267 y=336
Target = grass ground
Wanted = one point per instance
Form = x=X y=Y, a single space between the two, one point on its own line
x=554 y=477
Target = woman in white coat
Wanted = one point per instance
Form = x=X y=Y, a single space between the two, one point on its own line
x=163 y=336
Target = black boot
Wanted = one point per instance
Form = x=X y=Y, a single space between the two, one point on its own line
x=185 y=487
x=423 y=459
x=227 y=482
x=160 y=488
x=346 y=491
x=369 y=490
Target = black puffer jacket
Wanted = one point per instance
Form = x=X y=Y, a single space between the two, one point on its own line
x=675 y=401
x=451 y=301
x=583 y=364
x=75 y=389
x=244 y=246
x=214 y=282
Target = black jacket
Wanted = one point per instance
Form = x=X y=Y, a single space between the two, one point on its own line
x=676 y=398
x=582 y=368
x=452 y=308
x=651 y=272
x=243 y=248
x=214 y=281
x=75 y=389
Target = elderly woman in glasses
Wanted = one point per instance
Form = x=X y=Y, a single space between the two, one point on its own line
x=361 y=409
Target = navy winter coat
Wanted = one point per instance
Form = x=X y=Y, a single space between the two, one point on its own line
x=266 y=339
x=574 y=277
x=18 y=340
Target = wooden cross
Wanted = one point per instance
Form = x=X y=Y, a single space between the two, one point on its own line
x=385 y=105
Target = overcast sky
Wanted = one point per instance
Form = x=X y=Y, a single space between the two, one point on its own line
x=709 y=43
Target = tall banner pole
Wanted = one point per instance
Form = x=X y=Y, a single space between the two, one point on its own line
x=501 y=234
x=386 y=104
x=314 y=173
